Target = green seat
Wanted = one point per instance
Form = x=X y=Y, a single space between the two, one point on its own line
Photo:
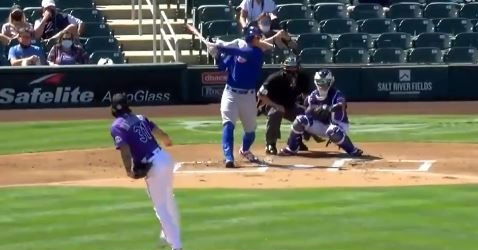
x=441 y=10
x=354 y=40
x=4 y=61
x=4 y=13
x=314 y=2
x=435 y=39
x=454 y=25
x=291 y=11
x=392 y=2
x=338 y=26
x=66 y=4
x=299 y=26
x=324 y=11
x=228 y=38
x=101 y=43
x=405 y=10
x=316 y=56
x=352 y=55
x=443 y=1
x=193 y=5
x=367 y=10
x=96 y=29
x=394 y=40
x=460 y=55
x=317 y=40
x=415 y=26
x=466 y=40
x=377 y=26
x=279 y=55
x=389 y=55
x=6 y=3
x=425 y=55
x=280 y=2
x=219 y=28
x=469 y=10
x=29 y=13
x=86 y=14
x=207 y=13
x=116 y=56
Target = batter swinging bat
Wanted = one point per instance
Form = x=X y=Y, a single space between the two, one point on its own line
x=196 y=32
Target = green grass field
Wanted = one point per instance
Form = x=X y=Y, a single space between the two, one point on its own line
x=405 y=218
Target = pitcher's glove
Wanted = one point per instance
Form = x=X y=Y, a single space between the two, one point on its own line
x=140 y=170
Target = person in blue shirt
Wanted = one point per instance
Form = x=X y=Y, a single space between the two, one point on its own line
x=24 y=53
x=244 y=67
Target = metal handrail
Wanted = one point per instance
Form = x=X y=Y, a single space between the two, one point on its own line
x=173 y=34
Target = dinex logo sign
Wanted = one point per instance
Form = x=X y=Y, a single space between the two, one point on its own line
x=214 y=77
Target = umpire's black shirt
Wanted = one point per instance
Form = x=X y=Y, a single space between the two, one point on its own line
x=277 y=88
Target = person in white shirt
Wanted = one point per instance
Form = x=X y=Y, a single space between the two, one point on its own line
x=252 y=9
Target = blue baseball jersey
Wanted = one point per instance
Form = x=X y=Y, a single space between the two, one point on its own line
x=334 y=96
x=244 y=66
x=137 y=132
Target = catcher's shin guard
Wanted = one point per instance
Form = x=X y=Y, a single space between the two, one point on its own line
x=337 y=136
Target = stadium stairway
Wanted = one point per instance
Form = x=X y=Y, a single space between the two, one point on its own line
x=139 y=49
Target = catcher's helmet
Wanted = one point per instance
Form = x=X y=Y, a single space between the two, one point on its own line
x=323 y=80
x=291 y=63
x=251 y=32
x=119 y=105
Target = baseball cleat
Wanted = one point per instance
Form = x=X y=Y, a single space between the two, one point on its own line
x=287 y=152
x=356 y=153
x=271 y=149
x=249 y=156
x=303 y=147
x=230 y=164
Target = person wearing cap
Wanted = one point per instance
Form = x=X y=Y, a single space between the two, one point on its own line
x=53 y=22
x=251 y=10
x=135 y=136
x=16 y=21
x=24 y=53
x=281 y=96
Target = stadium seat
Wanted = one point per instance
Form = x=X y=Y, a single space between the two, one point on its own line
x=338 y=26
x=354 y=40
x=367 y=10
x=460 y=55
x=425 y=55
x=207 y=13
x=441 y=10
x=466 y=40
x=193 y=5
x=314 y=2
x=299 y=26
x=219 y=28
x=317 y=40
x=279 y=55
x=291 y=11
x=86 y=14
x=96 y=29
x=234 y=3
x=324 y=11
x=6 y=4
x=316 y=56
x=454 y=25
x=389 y=55
x=66 y=4
x=394 y=40
x=3 y=60
x=435 y=39
x=228 y=38
x=405 y=10
x=4 y=13
x=442 y=1
x=392 y=2
x=101 y=43
x=352 y=55
x=29 y=11
x=116 y=56
x=280 y=2
x=415 y=26
x=377 y=26
x=30 y=3
x=469 y=10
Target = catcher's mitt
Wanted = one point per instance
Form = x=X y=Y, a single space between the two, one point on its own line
x=321 y=113
x=140 y=170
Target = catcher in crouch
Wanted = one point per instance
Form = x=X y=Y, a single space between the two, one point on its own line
x=325 y=116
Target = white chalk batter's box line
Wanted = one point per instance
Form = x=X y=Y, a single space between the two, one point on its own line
x=337 y=165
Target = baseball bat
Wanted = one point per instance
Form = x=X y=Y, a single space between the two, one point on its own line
x=196 y=32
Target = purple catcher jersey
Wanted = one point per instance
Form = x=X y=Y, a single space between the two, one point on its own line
x=135 y=131
x=334 y=96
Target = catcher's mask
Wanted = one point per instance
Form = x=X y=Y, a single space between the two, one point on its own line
x=119 y=105
x=291 y=67
x=323 y=80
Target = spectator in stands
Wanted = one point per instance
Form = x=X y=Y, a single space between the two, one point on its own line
x=24 y=53
x=251 y=10
x=16 y=21
x=52 y=22
x=4 y=40
x=279 y=38
x=66 y=52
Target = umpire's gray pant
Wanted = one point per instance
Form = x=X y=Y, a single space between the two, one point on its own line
x=274 y=120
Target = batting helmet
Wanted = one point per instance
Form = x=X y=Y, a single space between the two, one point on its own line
x=323 y=80
x=119 y=105
x=251 y=32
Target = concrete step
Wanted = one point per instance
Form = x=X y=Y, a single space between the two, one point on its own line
x=128 y=2
x=130 y=27
x=147 y=57
x=145 y=42
x=124 y=11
